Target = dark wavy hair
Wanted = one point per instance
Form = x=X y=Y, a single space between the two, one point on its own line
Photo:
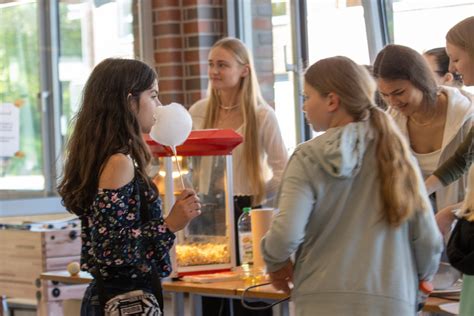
x=104 y=125
x=397 y=62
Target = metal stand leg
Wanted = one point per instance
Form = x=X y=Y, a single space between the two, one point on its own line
x=282 y=309
x=177 y=300
x=231 y=307
x=195 y=302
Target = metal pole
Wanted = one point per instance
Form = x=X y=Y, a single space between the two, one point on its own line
x=50 y=94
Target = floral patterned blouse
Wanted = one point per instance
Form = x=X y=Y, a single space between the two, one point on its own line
x=114 y=238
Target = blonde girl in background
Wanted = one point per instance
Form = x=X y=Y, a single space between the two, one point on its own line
x=460 y=49
x=235 y=102
x=352 y=206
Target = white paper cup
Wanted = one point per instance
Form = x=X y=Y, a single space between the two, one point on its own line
x=261 y=220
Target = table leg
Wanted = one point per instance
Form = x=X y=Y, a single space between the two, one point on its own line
x=177 y=301
x=195 y=302
x=45 y=307
x=282 y=309
x=231 y=307
x=50 y=308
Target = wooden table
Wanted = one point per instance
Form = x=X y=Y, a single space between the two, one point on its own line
x=177 y=289
x=65 y=277
x=228 y=289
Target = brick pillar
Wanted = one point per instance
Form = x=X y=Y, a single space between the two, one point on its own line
x=183 y=32
x=168 y=44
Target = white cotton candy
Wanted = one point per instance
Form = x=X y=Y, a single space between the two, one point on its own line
x=173 y=125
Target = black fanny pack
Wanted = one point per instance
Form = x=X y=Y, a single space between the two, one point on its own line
x=136 y=302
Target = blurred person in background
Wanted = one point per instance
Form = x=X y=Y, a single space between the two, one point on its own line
x=234 y=101
x=438 y=60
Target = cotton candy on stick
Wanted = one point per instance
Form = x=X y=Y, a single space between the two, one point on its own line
x=173 y=148
x=172 y=127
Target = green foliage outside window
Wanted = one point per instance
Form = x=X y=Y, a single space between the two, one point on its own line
x=279 y=8
x=19 y=78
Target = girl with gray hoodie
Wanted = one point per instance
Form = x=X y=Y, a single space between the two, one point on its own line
x=352 y=206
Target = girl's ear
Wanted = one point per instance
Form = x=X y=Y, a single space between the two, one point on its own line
x=132 y=102
x=245 y=71
x=333 y=102
x=448 y=78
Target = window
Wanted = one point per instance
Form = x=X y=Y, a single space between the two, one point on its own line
x=431 y=19
x=337 y=28
x=307 y=31
x=83 y=34
x=284 y=79
x=21 y=151
x=333 y=27
x=88 y=34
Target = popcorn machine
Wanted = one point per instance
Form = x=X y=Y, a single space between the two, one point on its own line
x=205 y=160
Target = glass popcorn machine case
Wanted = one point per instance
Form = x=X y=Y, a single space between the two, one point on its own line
x=205 y=162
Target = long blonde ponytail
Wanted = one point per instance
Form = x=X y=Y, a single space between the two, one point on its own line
x=400 y=181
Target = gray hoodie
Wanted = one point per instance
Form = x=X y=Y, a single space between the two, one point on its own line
x=348 y=260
